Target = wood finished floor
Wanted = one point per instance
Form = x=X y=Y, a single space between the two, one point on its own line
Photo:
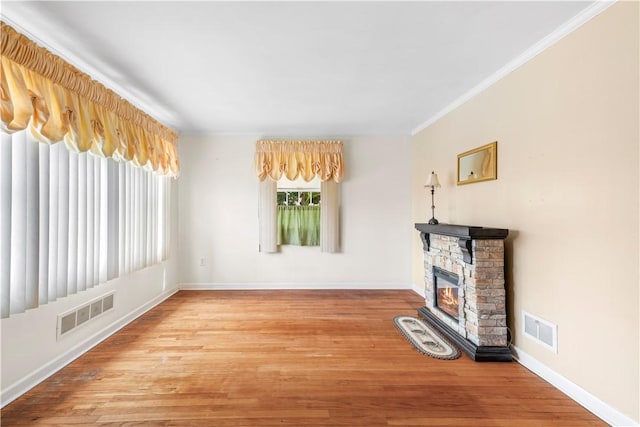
x=285 y=358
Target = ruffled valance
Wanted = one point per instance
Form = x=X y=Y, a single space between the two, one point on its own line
x=299 y=158
x=58 y=102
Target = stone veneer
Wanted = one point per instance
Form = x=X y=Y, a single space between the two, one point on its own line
x=482 y=315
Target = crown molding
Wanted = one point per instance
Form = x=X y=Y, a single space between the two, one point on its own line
x=567 y=28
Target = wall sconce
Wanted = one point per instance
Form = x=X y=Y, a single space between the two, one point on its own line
x=433 y=182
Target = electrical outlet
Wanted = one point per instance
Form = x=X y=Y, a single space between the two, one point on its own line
x=203 y=262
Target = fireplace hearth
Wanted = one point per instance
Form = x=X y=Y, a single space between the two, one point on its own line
x=465 y=287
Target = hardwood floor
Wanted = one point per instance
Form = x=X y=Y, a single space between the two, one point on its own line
x=286 y=358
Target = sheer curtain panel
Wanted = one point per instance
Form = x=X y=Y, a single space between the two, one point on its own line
x=299 y=225
x=69 y=221
x=268 y=215
x=330 y=217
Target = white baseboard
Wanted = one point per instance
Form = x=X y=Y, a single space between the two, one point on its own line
x=418 y=289
x=599 y=408
x=252 y=286
x=29 y=381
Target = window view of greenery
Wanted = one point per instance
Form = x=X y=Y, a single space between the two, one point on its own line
x=299 y=198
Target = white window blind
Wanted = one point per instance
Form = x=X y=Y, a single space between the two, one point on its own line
x=70 y=221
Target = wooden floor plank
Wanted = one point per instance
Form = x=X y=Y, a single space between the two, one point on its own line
x=286 y=358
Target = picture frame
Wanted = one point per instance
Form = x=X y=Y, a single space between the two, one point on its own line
x=478 y=165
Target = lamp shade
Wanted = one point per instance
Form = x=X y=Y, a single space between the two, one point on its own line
x=432 y=180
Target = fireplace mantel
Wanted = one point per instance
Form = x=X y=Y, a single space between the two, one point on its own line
x=464 y=233
x=467 y=232
x=475 y=256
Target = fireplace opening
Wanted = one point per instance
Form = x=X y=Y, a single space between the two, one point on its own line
x=446 y=293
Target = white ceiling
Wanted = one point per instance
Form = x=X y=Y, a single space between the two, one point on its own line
x=306 y=69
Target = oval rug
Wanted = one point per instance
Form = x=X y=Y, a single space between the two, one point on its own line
x=425 y=339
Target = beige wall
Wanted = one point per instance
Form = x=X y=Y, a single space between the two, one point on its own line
x=219 y=219
x=567 y=129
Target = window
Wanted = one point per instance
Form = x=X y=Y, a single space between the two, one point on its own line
x=298 y=205
x=69 y=221
x=298 y=197
x=75 y=213
x=292 y=159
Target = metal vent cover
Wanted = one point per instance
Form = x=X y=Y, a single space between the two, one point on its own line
x=82 y=314
x=540 y=330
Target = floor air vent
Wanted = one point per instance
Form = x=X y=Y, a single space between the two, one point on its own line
x=540 y=330
x=80 y=315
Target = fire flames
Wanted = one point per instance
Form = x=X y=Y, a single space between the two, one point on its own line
x=448 y=300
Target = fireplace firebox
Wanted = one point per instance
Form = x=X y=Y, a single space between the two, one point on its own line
x=446 y=293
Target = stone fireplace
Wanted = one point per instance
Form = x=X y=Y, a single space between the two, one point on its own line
x=465 y=287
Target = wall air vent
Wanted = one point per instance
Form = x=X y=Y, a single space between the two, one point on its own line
x=540 y=330
x=72 y=319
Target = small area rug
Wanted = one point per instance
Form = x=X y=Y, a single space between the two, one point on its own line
x=424 y=338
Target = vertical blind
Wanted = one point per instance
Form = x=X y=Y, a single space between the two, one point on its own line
x=69 y=221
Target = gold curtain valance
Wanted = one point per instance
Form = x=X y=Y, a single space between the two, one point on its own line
x=299 y=158
x=58 y=102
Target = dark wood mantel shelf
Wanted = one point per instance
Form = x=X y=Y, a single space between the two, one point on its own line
x=464 y=233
